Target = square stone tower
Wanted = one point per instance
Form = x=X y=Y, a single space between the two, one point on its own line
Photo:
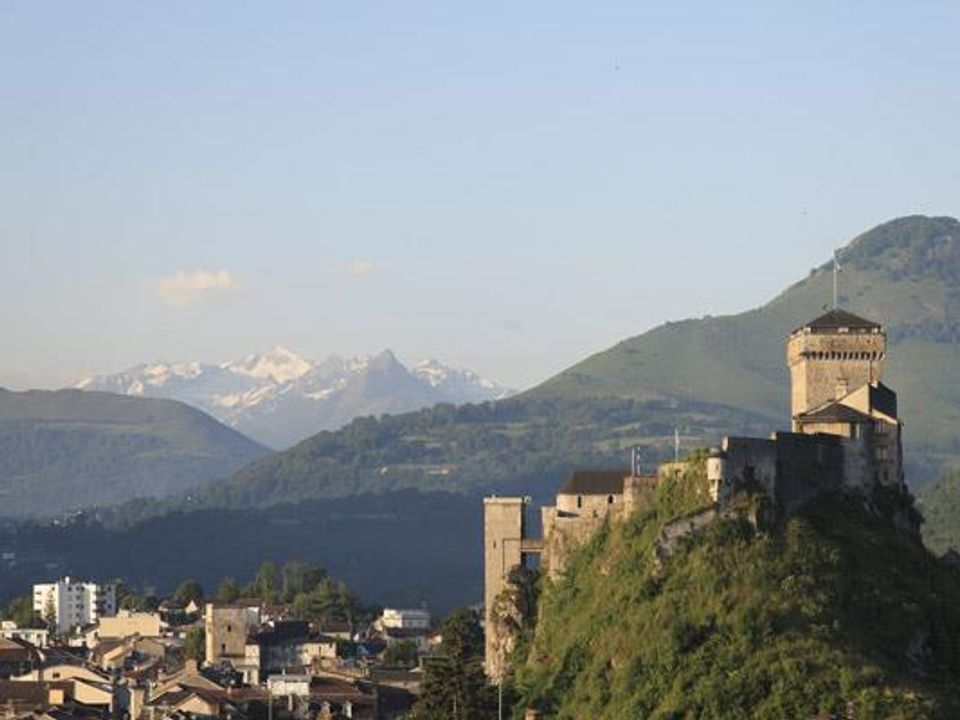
x=831 y=357
x=503 y=546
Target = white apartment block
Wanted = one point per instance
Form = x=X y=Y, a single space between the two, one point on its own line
x=75 y=603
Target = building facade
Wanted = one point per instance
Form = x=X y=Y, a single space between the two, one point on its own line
x=71 y=603
x=405 y=619
x=226 y=629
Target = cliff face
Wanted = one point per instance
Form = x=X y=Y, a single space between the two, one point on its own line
x=834 y=612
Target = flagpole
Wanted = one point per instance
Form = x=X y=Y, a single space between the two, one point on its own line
x=834 y=279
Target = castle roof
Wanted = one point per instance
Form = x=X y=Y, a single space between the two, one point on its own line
x=835 y=412
x=836 y=319
x=595 y=482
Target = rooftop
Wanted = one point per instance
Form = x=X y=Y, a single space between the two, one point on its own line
x=595 y=482
x=836 y=319
x=835 y=412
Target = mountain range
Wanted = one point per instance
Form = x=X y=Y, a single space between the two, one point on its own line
x=279 y=397
x=705 y=377
x=66 y=449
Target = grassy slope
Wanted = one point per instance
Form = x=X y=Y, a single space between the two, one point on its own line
x=905 y=274
x=68 y=449
x=834 y=613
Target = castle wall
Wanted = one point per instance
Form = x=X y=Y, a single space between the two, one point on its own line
x=750 y=461
x=792 y=468
x=563 y=533
x=588 y=504
x=638 y=493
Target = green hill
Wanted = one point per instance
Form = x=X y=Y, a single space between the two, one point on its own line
x=904 y=274
x=709 y=377
x=71 y=449
x=831 y=614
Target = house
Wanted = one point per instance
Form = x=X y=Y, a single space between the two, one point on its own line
x=286 y=645
x=16 y=658
x=38 y=637
x=125 y=624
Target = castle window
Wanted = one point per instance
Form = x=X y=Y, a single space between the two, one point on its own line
x=579 y=501
x=609 y=499
x=229 y=628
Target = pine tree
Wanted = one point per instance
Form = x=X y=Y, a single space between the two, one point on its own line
x=454 y=684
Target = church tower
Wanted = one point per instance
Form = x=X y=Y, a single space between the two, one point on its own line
x=831 y=357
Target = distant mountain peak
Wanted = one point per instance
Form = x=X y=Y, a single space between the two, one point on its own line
x=280 y=397
x=279 y=364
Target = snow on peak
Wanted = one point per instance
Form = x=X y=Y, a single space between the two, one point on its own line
x=280 y=365
x=433 y=371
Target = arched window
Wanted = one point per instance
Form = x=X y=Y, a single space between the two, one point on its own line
x=609 y=499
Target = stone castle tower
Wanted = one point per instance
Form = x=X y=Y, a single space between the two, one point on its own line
x=831 y=357
x=503 y=533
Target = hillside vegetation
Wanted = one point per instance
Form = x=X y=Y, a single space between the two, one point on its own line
x=833 y=614
x=708 y=377
x=71 y=449
x=513 y=445
x=904 y=274
x=940 y=504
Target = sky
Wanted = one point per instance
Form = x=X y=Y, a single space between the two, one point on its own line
x=508 y=186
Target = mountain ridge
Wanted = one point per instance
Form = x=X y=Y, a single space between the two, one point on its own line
x=279 y=397
x=63 y=450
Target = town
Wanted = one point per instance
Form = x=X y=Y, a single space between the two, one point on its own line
x=88 y=650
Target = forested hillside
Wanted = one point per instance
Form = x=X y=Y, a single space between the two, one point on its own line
x=69 y=449
x=833 y=613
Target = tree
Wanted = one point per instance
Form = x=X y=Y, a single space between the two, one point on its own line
x=300 y=577
x=20 y=611
x=187 y=591
x=195 y=645
x=330 y=601
x=127 y=599
x=50 y=614
x=454 y=684
x=401 y=654
x=228 y=591
x=265 y=583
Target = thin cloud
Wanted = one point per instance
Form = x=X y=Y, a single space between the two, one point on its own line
x=188 y=288
x=359 y=268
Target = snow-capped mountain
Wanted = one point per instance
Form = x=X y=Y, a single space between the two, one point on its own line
x=279 y=397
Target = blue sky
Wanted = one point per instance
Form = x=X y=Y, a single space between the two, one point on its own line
x=506 y=186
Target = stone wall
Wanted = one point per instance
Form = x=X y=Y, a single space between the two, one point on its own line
x=819 y=362
x=226 y=630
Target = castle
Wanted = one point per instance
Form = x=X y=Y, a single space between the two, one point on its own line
x=845 y=434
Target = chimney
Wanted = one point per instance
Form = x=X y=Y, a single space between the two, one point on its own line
x=841 y=388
